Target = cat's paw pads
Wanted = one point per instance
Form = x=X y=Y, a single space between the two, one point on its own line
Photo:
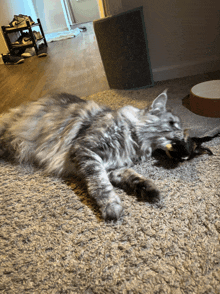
x=112 y=211
x=148 y=191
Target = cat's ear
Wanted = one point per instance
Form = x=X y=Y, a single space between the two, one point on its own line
x=159 y=104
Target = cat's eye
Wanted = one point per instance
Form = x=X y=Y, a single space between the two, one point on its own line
x=171 y=122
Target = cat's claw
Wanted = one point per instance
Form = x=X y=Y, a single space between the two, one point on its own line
x=112 y=211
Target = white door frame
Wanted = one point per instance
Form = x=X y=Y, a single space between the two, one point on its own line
x=68 y=13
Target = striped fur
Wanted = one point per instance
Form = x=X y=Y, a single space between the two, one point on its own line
x=66 y=135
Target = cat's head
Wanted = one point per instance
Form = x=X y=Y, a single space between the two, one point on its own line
x=167 y=123
x=158 y=126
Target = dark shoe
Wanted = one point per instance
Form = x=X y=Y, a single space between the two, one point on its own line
x=28 y=52
x=37 y=35
x=20 y=21
x=83 y=29
x=11 y=59
x=24 y=38
x=42 y=51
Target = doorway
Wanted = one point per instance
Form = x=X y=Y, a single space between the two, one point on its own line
x=82 y=11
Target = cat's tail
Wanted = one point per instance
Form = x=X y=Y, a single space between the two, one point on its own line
x=2 y=132
x=4 y=120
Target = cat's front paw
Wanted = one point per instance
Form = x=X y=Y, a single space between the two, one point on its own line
x=146 y=189
x=112 y=211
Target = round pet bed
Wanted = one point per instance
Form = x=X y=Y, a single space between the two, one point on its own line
x=205 y=99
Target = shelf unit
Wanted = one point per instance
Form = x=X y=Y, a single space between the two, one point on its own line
x=13 y=47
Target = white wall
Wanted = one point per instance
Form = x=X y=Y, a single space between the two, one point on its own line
x=3 y=46
x=11 y=7
x=113 y=7
x=85 y=10
x=51 y=15
x=183 y=35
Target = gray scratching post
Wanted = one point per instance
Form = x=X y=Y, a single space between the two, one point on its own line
x=123 y=48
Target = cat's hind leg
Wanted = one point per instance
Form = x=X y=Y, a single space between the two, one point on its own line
x=134 y=183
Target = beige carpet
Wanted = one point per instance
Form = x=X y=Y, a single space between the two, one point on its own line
x=52 y=239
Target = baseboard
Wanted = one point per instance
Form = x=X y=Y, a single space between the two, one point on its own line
x=208 y=64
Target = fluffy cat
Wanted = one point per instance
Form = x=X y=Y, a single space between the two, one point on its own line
x=66 y=135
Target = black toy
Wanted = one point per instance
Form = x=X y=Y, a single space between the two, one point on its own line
x=187 y=148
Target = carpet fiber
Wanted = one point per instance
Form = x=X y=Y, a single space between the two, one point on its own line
x=52 y=239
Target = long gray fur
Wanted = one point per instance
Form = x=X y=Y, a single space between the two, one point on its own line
x=66 y=135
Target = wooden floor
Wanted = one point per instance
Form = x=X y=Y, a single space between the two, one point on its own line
x=72 y=65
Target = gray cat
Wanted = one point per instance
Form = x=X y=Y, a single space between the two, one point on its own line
x=66 y=135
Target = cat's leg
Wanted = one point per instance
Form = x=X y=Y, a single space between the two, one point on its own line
x=91 y=169
x=134 y=183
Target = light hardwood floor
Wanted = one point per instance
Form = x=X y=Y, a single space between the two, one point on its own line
x=72 y=65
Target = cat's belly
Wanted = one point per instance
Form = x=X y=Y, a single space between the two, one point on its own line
x=114 y=162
